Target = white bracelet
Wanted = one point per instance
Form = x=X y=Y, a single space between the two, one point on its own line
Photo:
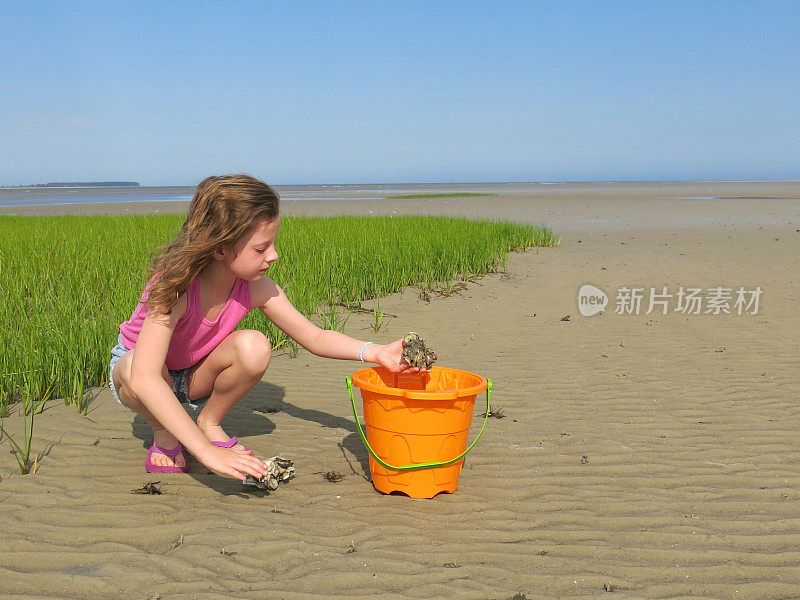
x=361 y=354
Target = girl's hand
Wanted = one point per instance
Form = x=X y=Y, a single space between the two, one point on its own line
x=238 y=465
x=390 y=356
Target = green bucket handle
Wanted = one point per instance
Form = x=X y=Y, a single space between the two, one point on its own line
x=415 y=467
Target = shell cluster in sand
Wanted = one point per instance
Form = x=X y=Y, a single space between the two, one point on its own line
x=416 y=353
x=278 y=469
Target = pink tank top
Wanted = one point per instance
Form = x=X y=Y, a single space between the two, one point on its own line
x=195 y=336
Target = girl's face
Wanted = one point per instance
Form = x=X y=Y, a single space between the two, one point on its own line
x=255 y=251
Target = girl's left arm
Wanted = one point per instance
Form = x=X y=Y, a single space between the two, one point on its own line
x=272 y=301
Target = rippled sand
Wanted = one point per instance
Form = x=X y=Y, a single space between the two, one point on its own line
x=657 y=456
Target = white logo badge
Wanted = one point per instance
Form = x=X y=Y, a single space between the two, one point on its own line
x=591 y=300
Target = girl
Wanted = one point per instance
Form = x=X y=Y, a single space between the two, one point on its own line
x=179 y=347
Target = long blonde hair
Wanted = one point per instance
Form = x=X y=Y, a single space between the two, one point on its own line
x=223 y=209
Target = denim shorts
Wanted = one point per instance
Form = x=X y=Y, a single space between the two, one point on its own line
x=180 y=379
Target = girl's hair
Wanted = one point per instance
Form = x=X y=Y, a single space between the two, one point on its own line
x=223 y=209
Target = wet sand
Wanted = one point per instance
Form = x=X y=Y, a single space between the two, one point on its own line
x=652 y=455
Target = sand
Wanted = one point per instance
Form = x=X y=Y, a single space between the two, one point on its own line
x=655 y=456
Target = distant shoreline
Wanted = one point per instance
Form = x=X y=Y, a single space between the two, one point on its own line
x=123 y=184
x=73 y=185
x=587 y=208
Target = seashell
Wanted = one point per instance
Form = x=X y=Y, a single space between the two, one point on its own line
x=430 y=357
x=410 y=337
x=416 y=353
x=278 y=469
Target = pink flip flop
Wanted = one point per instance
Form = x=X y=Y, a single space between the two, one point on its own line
x=230 y=444
x=151 y=468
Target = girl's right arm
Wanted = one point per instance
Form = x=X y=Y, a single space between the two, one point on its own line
x=152 y=390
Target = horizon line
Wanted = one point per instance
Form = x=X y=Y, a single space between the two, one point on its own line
x=551 y=182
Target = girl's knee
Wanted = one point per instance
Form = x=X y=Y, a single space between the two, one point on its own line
x=124 y=384
x=253 y=351
x=121 y=376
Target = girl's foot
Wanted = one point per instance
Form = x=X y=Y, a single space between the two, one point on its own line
x=215 y=433
x=164 y=439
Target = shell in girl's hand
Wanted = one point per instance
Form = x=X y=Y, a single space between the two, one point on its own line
x=278 y=469
x=416 y=353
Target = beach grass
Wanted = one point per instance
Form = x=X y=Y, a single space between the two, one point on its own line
x=67 y=282
x=440 y=195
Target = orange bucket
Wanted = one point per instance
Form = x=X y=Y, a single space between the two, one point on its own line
x=417 y=426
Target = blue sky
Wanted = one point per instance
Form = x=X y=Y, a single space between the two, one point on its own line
x=166 y=93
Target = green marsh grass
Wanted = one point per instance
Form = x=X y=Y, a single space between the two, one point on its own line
x=67 y=282
x=380 y=325
x=30 y=408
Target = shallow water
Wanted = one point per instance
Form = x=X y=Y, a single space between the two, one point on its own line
x=689 y=190
x=84 y=195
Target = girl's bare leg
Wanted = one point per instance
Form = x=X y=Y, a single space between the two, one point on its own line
x=161 y=437
x=228 y=373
